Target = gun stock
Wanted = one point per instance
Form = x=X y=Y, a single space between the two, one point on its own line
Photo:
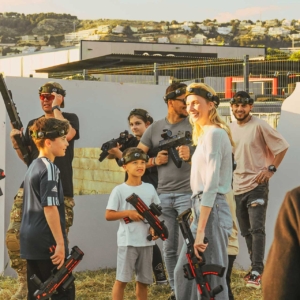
x=150 y=214
x=14 y=119
x=59 y=278
x=195 y=269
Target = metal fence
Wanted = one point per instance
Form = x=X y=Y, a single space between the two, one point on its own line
x=268 y=81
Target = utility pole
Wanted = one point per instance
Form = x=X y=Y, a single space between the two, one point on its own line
x=246 y=73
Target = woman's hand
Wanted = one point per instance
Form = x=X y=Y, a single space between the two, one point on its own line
x=199 y=246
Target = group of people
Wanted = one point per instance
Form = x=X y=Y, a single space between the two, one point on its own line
x=205 y=182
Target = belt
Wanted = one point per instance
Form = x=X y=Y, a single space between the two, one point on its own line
x=200 y=193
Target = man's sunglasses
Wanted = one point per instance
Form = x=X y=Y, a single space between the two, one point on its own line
x=48 y=97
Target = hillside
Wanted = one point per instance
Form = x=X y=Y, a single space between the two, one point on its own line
x=60 y=30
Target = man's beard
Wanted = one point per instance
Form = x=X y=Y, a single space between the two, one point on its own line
x=243 y=118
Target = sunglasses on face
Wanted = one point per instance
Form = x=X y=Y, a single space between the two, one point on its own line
x=48 y=97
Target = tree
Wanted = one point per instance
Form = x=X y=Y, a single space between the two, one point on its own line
x=295 y=56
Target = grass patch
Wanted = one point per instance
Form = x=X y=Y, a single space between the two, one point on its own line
x=97 y=285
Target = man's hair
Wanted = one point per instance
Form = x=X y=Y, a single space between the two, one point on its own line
x=175 y=86
x=141 y=114
x=241 y=97
x=47 y=128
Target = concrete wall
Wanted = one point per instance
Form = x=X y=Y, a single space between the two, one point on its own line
x=103 y=109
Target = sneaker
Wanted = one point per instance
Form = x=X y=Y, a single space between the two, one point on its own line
x=254 y=281
x=163 y=282
x=172 y=296
x=247 y=276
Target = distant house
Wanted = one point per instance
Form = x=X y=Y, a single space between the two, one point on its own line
x=93 y=37
x=224 y=30
x=278 y=31
x=175 y=26
x=244 y=24
x=270 y=23
x=147 y=39
x=163 y=39
x=258 y=23
x=295 y=36
x=190 y=24
x=178 y=38
x=186 y=27
x=286 y=23
x=29 y=49
x=148 y=28
x=103 y=29
x=79 y=35
x=134 y=29
x=205 y=28
x=34 y=38
x=198 y=39
x=164 y=28
x=258 y=30
x=118 y=29
x=45 y=48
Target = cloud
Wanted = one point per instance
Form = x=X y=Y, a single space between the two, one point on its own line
x=249 y=13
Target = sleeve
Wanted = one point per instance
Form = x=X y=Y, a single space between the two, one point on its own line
x=213 y=165
x=49 y=186
x=147 y=137
x=155 y=198
x=274 y=140
x=284 y=257
x=74 y=121
x=114 y=200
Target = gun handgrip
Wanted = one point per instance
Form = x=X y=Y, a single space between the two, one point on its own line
x=127 y=220
x=103 y=155
x=175 y=157
x=149 y=237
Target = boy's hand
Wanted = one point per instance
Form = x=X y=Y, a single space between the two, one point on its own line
x=152 y=232
x=161 y=158
x=134 y=216
x=58 y=258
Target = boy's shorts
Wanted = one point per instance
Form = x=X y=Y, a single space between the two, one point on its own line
x=135 y=259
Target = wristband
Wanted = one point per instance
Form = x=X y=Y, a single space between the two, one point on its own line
x=55 y=107
x=154 y=164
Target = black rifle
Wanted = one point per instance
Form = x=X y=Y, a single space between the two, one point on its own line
x=2 y=176
x=121 y=140
x=14 y=119
x=59 y=278
x=170 y=143
x=150 y=214
x=195 y=269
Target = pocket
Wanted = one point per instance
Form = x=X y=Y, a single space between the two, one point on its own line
x=224 y=216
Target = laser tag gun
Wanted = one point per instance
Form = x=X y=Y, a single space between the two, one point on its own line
x=170 y=143
x=150 y=214
x=59 y=278
x=14 y=119
x=195 y=269
x=121 y=140
x=2 y=176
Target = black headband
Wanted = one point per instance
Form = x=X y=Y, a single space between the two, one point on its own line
x=242 y=100
x=132 y=157
x=49 y=89
x=48 y=134
x=174 y=94
x=139 y=112
x=204 y=94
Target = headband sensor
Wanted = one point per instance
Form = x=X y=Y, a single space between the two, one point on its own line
x=204 y=94
x=242 y=100
x=174 y=94
x=48 y=134
x=132 y=157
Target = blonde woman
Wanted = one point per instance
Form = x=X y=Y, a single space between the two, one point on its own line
x=211 y=176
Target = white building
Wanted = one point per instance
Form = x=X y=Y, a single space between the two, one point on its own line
x=271 y=23
x=205 y=28
x=224 y=30
x=164 y=28
x=163 y=39
x=34 y=38
x=278 y=31
x=118 y=29
x=148 y=28
x=244 y=24
x=258 y=30
x=103 y=28
x=286 y=23
x=198 y=39
x=147 y=39
x=79 y=35
x=29 y=49
x=134 y=29
x=186 y=27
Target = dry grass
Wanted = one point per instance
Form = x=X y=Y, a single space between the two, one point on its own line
x=97 y=285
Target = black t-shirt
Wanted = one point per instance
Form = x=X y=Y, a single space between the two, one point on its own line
x=64 y=163
x=150 y=175
x=42 y=187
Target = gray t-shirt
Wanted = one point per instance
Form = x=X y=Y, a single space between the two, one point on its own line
x=170 y=178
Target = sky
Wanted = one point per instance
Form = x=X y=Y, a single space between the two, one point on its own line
x=161 y=10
